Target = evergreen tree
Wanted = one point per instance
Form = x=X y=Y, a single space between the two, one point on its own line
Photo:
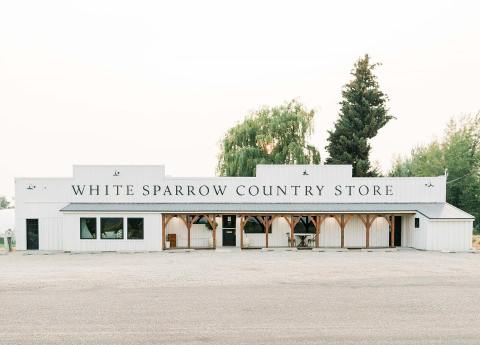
x=363 y=113
x=276 y=135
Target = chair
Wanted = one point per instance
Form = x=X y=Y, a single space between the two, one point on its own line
x=289 y=239
x=311 y=241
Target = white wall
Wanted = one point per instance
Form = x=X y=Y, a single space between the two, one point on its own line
x=200 y=235
x=152 y=234
x=450 y=235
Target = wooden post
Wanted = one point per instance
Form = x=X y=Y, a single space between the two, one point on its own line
x=342 y=229
x=367 y=232
x=214 y=234
x=392 y=233
x=163 y=232
x=317 y=221
x=265 y=225
x=292 y=234
x=242 y=224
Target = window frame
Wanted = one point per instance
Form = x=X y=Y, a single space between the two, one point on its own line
x=143 y=229
x=115 y=238
x=96 y=228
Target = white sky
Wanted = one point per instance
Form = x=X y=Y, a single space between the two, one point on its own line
x=117 y=82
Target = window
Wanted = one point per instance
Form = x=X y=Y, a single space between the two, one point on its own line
x=135 y=228
x=229 y=222
x=88 y=228
x=417 y=223
x=255 y=226
x=304 y=226
x=111 y=228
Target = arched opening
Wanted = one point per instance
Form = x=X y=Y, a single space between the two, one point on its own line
x=330 y=234
x=305 y=232
x=254 y=231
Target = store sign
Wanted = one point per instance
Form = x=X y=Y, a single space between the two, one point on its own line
x=239 y=190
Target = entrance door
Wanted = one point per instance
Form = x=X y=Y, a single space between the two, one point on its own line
x=228 y=230
x=398 y=231
x=32 y=234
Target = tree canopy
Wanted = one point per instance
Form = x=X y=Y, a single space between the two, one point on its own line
x=363 y=113
x=4 y=203
x=458 y=152
x=271 y=135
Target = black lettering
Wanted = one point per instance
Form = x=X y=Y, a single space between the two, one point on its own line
x=350 y=189
x=77 y=189
x=190 y=190
x=320 y=189
x=265 y=191
x=295 y=189
x=283 y=190
x=166 y=190
x=178 y=190
x=238 y=190
x=388 y=189
x=117 y=188
x=94 y=188
x=376 y=189
x=257 y=190
x=205 y=187
x=218 y=189
x=338 y=190
x=364 y=188
x=308 y=190
x=156 y=189
x=146 y=190
x=129 y=189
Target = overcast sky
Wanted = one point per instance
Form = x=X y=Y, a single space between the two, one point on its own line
x=139 y=82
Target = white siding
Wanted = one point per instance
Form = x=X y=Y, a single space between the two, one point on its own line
x=355 y=233
x=330 y=235
x=450 y=235
x=152 y=232
x=200 y=235
x=379 y=233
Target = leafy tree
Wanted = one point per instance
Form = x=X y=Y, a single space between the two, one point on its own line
x=4 y=203
x=363 y=113
x=458 y=152
x=276 y=135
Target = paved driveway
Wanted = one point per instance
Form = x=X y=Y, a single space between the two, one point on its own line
x=248 y=297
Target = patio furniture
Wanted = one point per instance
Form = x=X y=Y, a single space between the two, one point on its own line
x=302 y=242
x=311 y=241
x=289 y=240
x=172 y=238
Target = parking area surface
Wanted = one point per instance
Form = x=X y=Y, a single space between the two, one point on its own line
x=247 y=297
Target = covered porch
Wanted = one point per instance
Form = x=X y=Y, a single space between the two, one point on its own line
x=279 y=230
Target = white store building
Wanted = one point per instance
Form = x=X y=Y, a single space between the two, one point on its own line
x=139 y=208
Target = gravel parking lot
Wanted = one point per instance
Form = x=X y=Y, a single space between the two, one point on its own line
x=248 y=297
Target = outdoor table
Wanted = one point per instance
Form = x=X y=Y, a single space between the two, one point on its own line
x=302 y=237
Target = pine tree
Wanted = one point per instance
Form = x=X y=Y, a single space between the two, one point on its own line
x=363 y=113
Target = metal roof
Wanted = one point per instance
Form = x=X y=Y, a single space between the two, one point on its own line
x=429 y=210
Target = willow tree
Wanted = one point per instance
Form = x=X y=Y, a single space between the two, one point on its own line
x=363 y=113
x=276 y=135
